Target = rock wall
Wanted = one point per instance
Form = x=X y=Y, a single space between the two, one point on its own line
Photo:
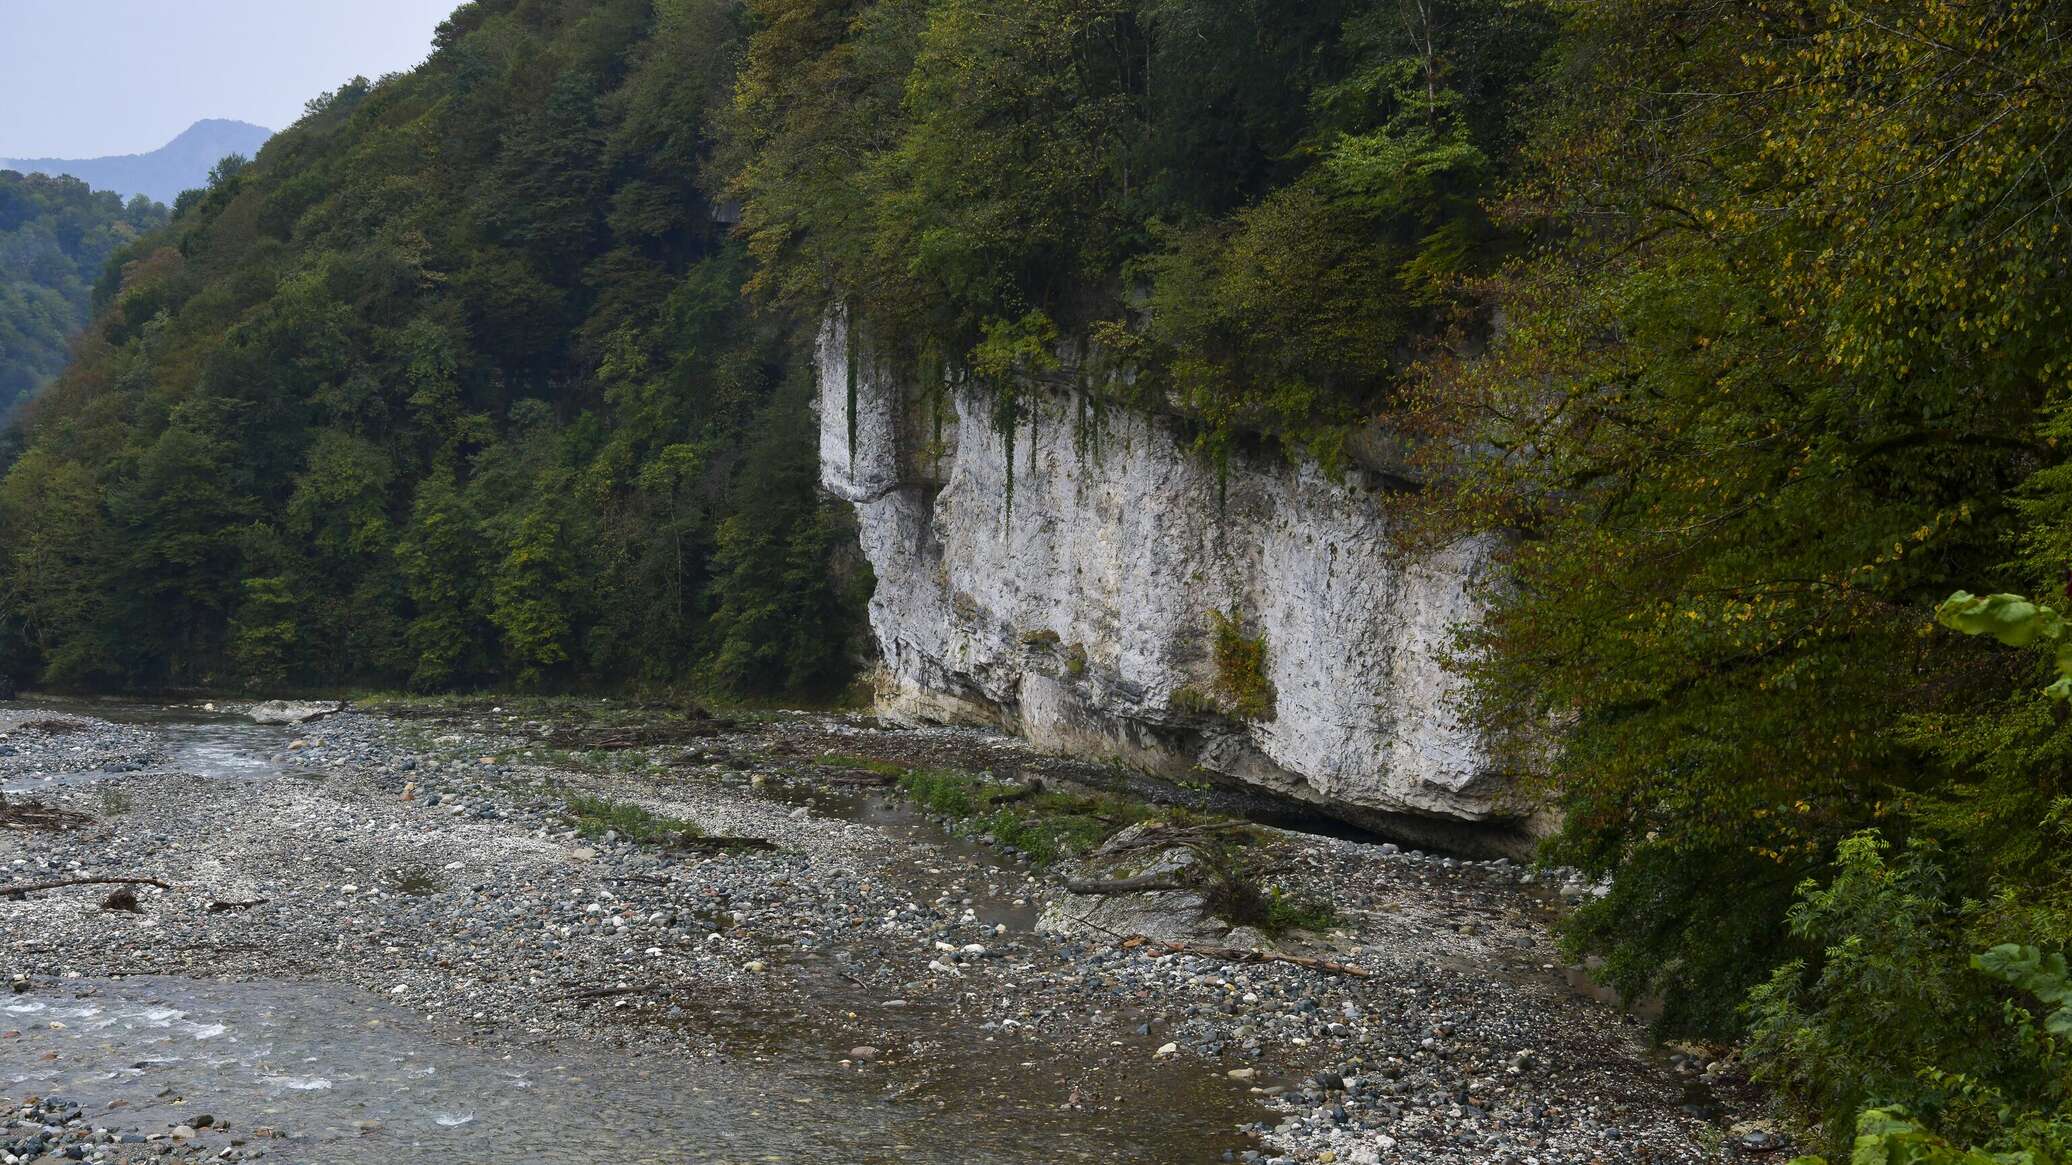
x=1067 y=598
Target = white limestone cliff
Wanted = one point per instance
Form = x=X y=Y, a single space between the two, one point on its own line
x=1069 y=601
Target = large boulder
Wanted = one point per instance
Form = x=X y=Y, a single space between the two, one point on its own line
x=295 y=711
x=1178 y=914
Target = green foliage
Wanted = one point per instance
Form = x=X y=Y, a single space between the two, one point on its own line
x=56 y=235
x=264 y=642
x=451 y=385
x=1890 y=1136
x=1284 y=912
x=2040 y=975
x=1900 y=1044
x=1249 y=208
x=1048 y=826
x=595 y=816
x=1755 y=405
x=1886 y=999
x=2015 y=621
x=1241 y=668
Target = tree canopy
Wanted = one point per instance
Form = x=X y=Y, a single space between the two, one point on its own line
x=449 y=386
x=55 y=236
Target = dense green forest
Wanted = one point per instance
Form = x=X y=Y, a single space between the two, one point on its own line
x=1743 y=324
x=451 y=386
x=55 y=238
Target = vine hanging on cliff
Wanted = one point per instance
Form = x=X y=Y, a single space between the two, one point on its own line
x=1012 y=352
x=849 y=368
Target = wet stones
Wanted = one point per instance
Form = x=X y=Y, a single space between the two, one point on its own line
x=294 y=711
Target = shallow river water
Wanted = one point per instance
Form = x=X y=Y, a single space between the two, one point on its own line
x=339 y=1075
x=346 y=1079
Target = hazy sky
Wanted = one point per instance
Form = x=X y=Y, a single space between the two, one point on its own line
x=83 y=78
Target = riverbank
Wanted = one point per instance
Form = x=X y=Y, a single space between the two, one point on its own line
x=431 y=868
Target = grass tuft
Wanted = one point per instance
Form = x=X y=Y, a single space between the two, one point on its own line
x=1048 y=826
x=595 y=816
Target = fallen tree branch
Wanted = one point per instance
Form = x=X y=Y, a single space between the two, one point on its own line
x=33 y=815
x=857 y=778
x=722 y=844
x=17 y=891
x=1138 y=884
x=226 y=907
x=1018 y=793
x=600 y=993
x=1247 y=955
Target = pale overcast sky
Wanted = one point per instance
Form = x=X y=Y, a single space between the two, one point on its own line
x=84 y=78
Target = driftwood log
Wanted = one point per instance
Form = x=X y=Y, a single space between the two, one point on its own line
x=589 y=993
x=721 y=844
x=1143 y=883
x=856 y=777
x=21 y=889
x=31 y=815
x=1246 y=955
x=227 y=907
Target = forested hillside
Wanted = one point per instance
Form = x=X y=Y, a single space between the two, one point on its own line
x=55 y=237
x=1257 y=209
x=1744 y=327
x=452 y=386
x=1791 y=367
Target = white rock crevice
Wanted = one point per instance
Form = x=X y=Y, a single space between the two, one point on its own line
x=1071 y=603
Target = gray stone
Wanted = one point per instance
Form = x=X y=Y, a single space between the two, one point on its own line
x=1167 y=915
x=294 y=711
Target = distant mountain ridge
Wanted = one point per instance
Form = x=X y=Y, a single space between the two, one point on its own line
x=162 y=174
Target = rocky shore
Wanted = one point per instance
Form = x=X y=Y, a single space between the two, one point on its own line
x=434 y=866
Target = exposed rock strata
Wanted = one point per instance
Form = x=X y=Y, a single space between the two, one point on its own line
x=1056 y=578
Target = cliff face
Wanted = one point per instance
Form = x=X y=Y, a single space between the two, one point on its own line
x=1069 y=599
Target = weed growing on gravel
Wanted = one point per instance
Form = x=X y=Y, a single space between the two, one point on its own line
x=1285 y=912
x=595 y=816
x=115 y=803
x=417 y=882
x=1048 y=826
x=1052 y=826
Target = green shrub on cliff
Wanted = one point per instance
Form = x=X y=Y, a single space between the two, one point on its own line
x=1240 y=668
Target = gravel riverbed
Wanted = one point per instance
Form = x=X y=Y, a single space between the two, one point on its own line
x=870 y=989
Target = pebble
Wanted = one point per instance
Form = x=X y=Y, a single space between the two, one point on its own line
x=484 y=918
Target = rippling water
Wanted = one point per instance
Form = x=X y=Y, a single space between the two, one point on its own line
x=345 y=1077
x=348 y=1079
